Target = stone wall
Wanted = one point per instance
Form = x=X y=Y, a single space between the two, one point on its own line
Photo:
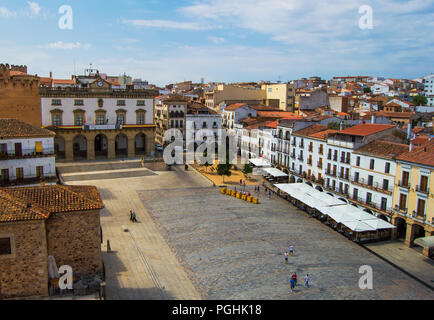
x=25 y=272
x=19 y=96
x=74 y=239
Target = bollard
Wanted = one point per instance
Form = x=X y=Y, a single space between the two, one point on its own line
x=109 y=249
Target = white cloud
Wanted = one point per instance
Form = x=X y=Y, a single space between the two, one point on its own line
x=66 y=45
x=217 y=40
x=5 y=12
x=34 y=7
x=165 y=24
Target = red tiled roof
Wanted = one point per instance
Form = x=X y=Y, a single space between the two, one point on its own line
x=272 y=124
x=17 y=73
x=235 y=106
x=323 y=135
x=279 y=114
x=383 y=149
x=37 y=203
x=421 y=155
x=366 y=129
x=394 y=114
x=13 y=128
x=63 y=81
x=306 y=132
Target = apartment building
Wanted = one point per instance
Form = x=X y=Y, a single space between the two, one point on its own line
x=310 y=99
x=27 y=153
x=227 y=94
x=373 y=175
x=170 y=113
x=413 y=199
x=429 y=89
x=280 y=96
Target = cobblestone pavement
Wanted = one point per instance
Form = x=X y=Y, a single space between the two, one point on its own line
x=232 y=249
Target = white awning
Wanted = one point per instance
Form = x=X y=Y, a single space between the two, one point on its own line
x=260 y=162
x=358 y=226
x=427 y=242
x=379 y=224
x=275 y=172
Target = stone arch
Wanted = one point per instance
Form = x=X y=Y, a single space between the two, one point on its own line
x=59 y=147
x=121 y=145
x=101 y=146
x=401 y=227
x=292 y=179
x=79 y=147
x=140 y=144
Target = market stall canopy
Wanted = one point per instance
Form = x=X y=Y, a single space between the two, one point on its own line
x=379 y=224
x=260 y=162
x=427 y=242
x=358 y=226
x=275 y=172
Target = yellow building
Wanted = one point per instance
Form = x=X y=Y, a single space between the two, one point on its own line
x=413 y=199
x=280 y=95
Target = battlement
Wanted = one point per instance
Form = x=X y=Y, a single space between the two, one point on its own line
x=8 y=68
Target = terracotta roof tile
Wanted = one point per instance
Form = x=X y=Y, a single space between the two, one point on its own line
x=323 y=135
x=421 y=155
x=366 y=129
x=384 y=149
x=13 y=128
x=14 y=202
x=306 y=132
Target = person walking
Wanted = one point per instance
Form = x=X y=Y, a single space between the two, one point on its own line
x=131 y=215
x=292 y=285
x=269 y=194
x=244 y=185
x=134 y=217
x=286 y=257
x=294 y=277
x=306 y=281
x=291 y=250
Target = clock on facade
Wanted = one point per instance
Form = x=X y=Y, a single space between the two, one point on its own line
x=100 y=84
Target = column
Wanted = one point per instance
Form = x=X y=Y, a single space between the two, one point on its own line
x=409 y=237
x=131 y=145
x=111 y=152
x=150 y=141
x=90 y=147
x=69 y=148
x=394 y=234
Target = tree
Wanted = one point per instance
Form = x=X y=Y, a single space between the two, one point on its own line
x=206 y=164
x=367 y=90
x=247 y=170
x=224 y=169
x=420 y=101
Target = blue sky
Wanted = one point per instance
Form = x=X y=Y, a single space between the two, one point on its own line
x=220 y=40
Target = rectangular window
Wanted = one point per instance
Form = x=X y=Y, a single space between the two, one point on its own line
x=5 y=246
x=100 y=119
x=402 y=202
x=78 y=120
x=78 y=102
x=405 y=178
x=358 y=162
x=5 y=175
x=121 y=119
x=121 y=102
x=384 y=204
x=423 y=183
x=3 y=148
x=356 y=177
x=57 y=120
x=387 y=168
x=140 y=103
x=368 y=198
x=20 y=174
x=421 y=208
x=56 y=102
x=355 y=194
x=372 y=164
x=40 y=171
x=370 y=180
x=38 y=147
x=385 y=184
x=140 y=118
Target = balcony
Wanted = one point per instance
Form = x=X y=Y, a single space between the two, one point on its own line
x=375 y=186
x=424 y=189
x=293 y=156
x=310 y=148
x=404 y=184
x=293 y=143
x=309 y=162
x=344 y=176
x=335 y=158
x=329 y=157
x=27 y=154
x=300 y=158
x=319 y=165
x=301 y=145
x=330 y=173
x=321 y=151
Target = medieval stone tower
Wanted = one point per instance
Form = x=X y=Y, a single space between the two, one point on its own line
x=19 y=94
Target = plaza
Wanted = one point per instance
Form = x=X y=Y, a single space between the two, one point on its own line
x=192 y=242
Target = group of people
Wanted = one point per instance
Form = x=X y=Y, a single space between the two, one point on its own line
x=293 y=280
x=133 y=217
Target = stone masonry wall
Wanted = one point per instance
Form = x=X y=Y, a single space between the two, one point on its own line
x=74 y=239
x=25 y=272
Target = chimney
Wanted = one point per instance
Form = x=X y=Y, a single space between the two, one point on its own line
x=341 y=126
x=51 y=75
x=411 y=145
x=409 y=130
x=373 y=119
